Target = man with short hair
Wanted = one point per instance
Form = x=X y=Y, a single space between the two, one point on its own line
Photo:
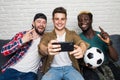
x=61 y=65
x=100 y=40
x=26 y=60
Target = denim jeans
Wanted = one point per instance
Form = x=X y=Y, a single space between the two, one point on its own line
x=12 y=74
x=62 y=73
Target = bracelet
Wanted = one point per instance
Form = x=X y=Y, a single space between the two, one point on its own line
x=110 y=43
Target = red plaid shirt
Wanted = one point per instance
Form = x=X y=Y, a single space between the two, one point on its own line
x=15 y=46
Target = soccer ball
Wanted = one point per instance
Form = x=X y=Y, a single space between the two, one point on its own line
x=94 y=57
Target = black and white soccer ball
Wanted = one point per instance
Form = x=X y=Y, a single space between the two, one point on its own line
x=94 y=57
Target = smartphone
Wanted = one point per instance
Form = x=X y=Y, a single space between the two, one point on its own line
x=66 y=46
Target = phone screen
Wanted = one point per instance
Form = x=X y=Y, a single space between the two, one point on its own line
x=66 y=46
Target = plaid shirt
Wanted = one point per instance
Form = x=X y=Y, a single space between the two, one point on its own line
x=15 y=46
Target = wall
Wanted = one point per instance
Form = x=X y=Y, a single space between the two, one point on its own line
x=17 y=15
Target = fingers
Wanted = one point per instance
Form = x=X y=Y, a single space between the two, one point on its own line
x=103 y=34
x=28 y=36
x=101 y=29
x=77 y=53
x=100 y=36
x=31 y=31
x=106 y=40
x=53 y=49
x=31 y=34
x=53 y=41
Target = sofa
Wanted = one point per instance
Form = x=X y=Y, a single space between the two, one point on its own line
x=115 y=39
x=2 y=58
x=116 y=44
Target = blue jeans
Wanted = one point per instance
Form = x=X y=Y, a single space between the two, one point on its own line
x=12 y=74
x=62 y=73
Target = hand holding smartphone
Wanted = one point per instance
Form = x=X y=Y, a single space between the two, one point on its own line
x=65 y=46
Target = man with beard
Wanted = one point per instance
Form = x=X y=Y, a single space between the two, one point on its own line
x=26 y=60
x=100 y=40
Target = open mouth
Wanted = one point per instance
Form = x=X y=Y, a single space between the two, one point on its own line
x=84 y=26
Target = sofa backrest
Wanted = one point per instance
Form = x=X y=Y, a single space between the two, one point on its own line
x=116 y=44
x=115 y=39
x=3 y=59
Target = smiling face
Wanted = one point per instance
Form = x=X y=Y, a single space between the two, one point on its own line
x=40 y=25
x=84 y=22
x=59 y=20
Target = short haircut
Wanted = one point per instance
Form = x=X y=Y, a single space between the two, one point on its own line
x=85 y=12
x=59 y=10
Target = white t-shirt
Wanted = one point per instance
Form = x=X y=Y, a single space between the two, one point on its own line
x=30 y=60
x=62 y=58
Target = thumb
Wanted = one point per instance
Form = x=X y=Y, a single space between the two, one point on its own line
x=99 y=36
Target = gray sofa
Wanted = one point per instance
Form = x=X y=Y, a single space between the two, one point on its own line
x=2 y=58
x=116 y=43
x=114 y=38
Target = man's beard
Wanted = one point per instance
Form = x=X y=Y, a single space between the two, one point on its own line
x=40 y=33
